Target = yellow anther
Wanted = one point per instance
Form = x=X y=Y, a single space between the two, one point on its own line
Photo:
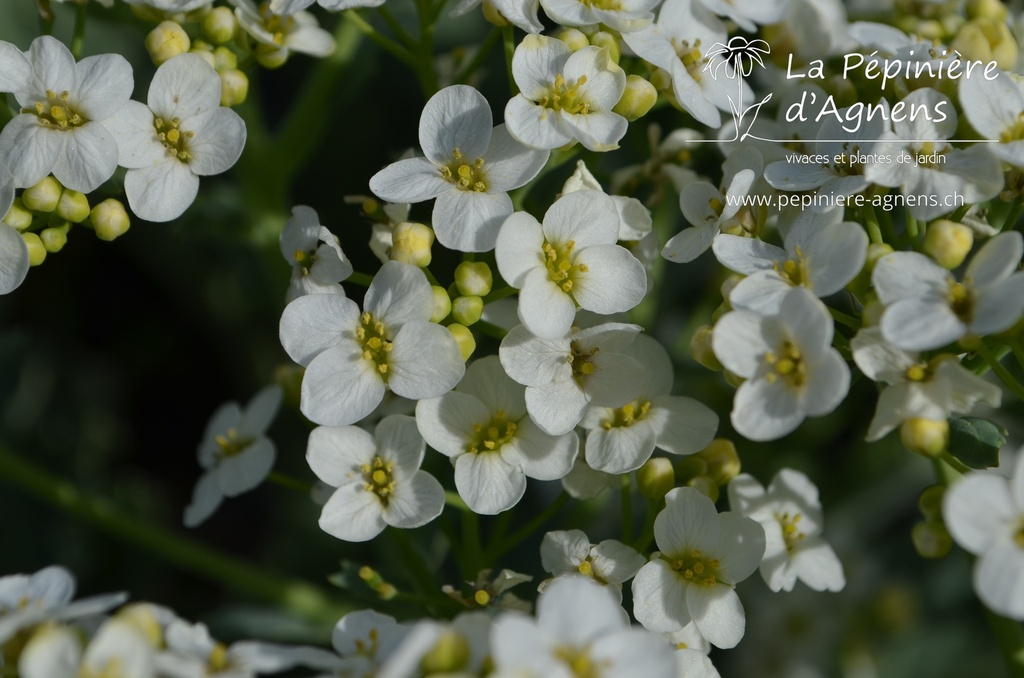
x=491 y=435
x=482 y=598
x=379 y=479
x=586 y=568
x=561 y=97
x=961 y=301
x=791 y=366
x=917 y=372
x=465 y=176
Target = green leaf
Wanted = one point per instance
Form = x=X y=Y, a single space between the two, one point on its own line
x=975 y=441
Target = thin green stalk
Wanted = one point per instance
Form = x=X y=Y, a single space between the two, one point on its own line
x=424 y=65
x=287 y=481
x=390 y=46
x=45 y=17
x=955 y=463
x=506 y=291
x=489 y=329
x=471 y=541
x=997 y=367
x=1014 y=215
x=361 y=279
x=912 y=229
x=295 y=595
x=508 y=38
x=455 y=501
x=960 y=213
x=418 y=571
x=530 y=528
x=78 y=38
x=647 y=532
x=871 y=220
x=1009 y=635
x=403 y=35
x=478 y=59
x=626 y=494
x=844 y=319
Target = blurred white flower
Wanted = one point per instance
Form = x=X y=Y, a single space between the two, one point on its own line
x=624 y=16
x=996 y=109
x=118 y=650
x=315 y=255
x=570 y=553
x=283 y=33
x=460 y=647
x=14 y=261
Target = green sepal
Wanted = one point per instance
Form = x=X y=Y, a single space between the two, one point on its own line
x=975 y=441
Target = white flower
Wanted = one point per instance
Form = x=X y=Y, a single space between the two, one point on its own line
x=118 y=650
x=580 y=630
x=995 y=109
x=625 y=16
x=315 y=255
x=747 y=13
x=622 y=439
x=469 y=167
x=352 y=358
x=984 y=513
x=366 y=639
x=483 y=427
x=378 y=478
x=68 y=127
x=562 y=376
x=293 y=6
x=14 y=261
x=635 y=221
x=182 y=134
x=677 y=44
x=192 y=653
x=703 y=555
x=571 y=260
x=820 y=255
x=235 y=453
x=918 y=389
x=932 y=167
x=565 y=96
x=570 y=553
x=790 y=367
x=294 y=32
x=790 y=514
x=28 y=600
x=712 y=210
x=925 y=307
x=463 y=646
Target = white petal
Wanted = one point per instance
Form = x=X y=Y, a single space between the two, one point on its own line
x=51 y=652
x=399 y=293
x=425 y=362
x=718 y=614
x=765 y=411
x=535 y=126
x=556 y=408
x=615 y=280
x=578 y=612
x=15 y=70
x=457 y=117
x=314 y=323
x=532 y=361
x=615 y=381
x=468 y=221
x=818 y=566
x=999 y=307
x=415 y=502
x=161 y=192
x=447 y=422
x=486 y=380
x=409 y=180
x=517 y=249
x=902 y=275
x=921 y=324
x=247 y=469
x=219 y=140
x=540 y=455
x=976 y=508
x=999 y=579
x=137 y=144
x=352 y=514
x=738 y=342
x=544 y=308
x=746 y=255
x=184 y=86
x=585 y=217
x=206 y=497
x=104 y=85
x=683 y=425
x=399 y=441
x=659 y=598
x=28 y=150
x=340 y=387
x=689 y=243
x=487 y=483
x=14 y=261
x=336 y=454
x=620 y=449
x=510 y=164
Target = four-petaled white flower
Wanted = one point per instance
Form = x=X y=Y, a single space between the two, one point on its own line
x=925 y=307
x=569 y=553
x=352 y=358
x=484 y=428
x=182 y=134
x=625 y=16
x=118 y=650
x=235 y=453
x=580 y=630
x=918 y=389
x=996 y=109
x=563 y=376
x=378 y=478
x=469 y=168
x=315 y=255
x=622 y=439
x=787 y=359
x=790 y=513
x=571 y=260
x=68 y=125
x=280 y=34
x=702 y=556
x=984 y=513
x=565 y=96
x=365 y=640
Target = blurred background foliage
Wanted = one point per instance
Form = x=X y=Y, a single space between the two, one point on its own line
x=114 y=355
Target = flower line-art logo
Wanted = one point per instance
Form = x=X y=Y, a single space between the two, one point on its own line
x=738 y=57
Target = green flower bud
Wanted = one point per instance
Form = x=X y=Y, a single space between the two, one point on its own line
x=931 y=539
x=18 y=217
x=948 y=243
x=73 y=206
x=109 y=219
x=467 y=310
x=655 y=478
x=44 y=196
x=442 y=304
x=205 y=53
x=987 y=40
x=986 y=9
x=722 y=459
x=705 y=485
x=605 y=39
x=861 y=284
x=493 y=16
x=464 y=338
x=689 y=468
x=574 y=38
x=54 y=238
x=219 y=25
x=271 y=57
x=700 y=348
x=637 y=99
x=224 y=59
x=234 y=87
x=449 y=655
x=36 y=248
x=411 y=243
x=474 y=278
x=927 y=437
x=167 y=41
x=930 y=502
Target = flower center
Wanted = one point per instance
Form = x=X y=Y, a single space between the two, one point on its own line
x=558 y=261
x=218 y=658
x=277 y=25
x=849 y=168
x=790 y=528
x=788 y=364
x=562 y=97
x=697 y=569
x=586 y=568
x=56 y=112
x=376 y=347
x=607 y=5
x=961 y=300
x=919 y=372
x=794 y=271
x=492 y=435
x=305 y=260
x=579 y=662
x=627 y=415
x=173 y=139
x=692 y=57
x=1015 y=131
x=580 y=360
x=230 y=444
x=379 y=479
x=465 y=176
x=1018 y=536
x=369 y=650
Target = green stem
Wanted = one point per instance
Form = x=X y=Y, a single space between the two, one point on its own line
x=506 y=291
x=489 y=329
x=871 y=220
x=481 y=54
x=471 y=542
x=531 y=527
x=78 y=38
x=455 y=501
x=508 y=38
x=418 y=571
x=403 y=35
x=960 y=213
x=626 y=494
x=361 y=279
x=1004 y=374
x=424 y=63
x=1009 y=635
x=955 y=464
x=912 y=229
x=647 y=533
x=45 y=17
x=292 y=594
x=284 y=480
x=845 y=319
x=1014 y=215
x=389 y=45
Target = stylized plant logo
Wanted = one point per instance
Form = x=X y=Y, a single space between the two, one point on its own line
x=738 y=57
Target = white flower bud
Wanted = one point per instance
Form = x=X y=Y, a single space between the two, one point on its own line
x=54 y=238
x=638 y=98
x=442 y=304
x=605 y=39
x=722 y=459
x=411 y=243
x=464 y=338
x=36 y=249
x=109 y=219
x=234 y=87
x=44 y=196
x=467 y=310
x=73 y=206
x=655 y=478
x=948 y=243
x=167 y=41
x=574 y=38
x=474 y=278
x=927 y=437
x=219 y=25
